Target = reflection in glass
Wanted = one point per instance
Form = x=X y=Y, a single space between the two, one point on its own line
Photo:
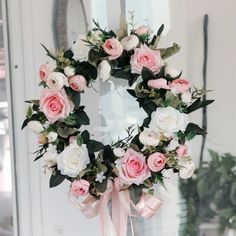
x=6 y=215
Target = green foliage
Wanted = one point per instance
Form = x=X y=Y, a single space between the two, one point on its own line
x=212 y=193
x=170 y=51
x=56 y=178
x=135 y=192
x=197 y=105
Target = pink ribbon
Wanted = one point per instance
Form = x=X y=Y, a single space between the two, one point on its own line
x=121 y=209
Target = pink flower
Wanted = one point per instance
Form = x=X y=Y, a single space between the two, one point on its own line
x=182 y=151
x=144 y=56
x=55 y=104
x=133 y=168
x=179 y=86
x=113 y=48
x=77 y=83
x=72 y=138
x=44 y=71
x=79 y=188
x=141 y=30
x=158 y=84
x=156 y=161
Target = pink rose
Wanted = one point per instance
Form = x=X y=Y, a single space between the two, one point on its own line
x=144 y=56
x=133 y=168
x=156 y=161
x=158 y=84
x=182 y=151
x=79 y=188
x=141 y=30
x=113 y=48
x=44 y=71
x=179 y=86
x=77 y=83
x=72 y=139
x=55 y=104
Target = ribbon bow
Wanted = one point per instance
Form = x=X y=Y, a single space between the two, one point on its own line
x=115 y=224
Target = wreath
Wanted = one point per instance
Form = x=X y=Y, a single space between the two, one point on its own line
x=131 y=166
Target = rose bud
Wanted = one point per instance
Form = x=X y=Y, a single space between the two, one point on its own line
x=130 y=42
x=78 y=83
x=156 y=161
x=104 y=70
x=79 y=188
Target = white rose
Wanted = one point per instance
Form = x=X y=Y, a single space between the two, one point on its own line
x=167 y=173
x=73 y=159
x=173 y=144
x=149 y=138
x=57 y=80
x=50 y=156
x=186 y=168
x=119 y=152
x=80 y=49
x=69 y=71
x=168 y=121
x=52 y=136
x=104 y=70
x=186 y=97
x=129 y=42
x=35 y=126
x=172 y=72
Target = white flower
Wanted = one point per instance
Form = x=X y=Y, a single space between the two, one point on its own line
x=69 y=71
x=129 y=42
x=73 y=159
x=168 y=121
x=50 y=156
x=35 y=126
x=104 y=70
x=57 y=80
x=119 y=152
x=149 y=138
x=171 y=72
x=52 y=136
x=80 y=49
x=186 y=168
x=100 y=177
x=167 y=173
x=173 y=144
x=186 y=97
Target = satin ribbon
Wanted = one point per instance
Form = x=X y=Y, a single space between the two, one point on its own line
x=122 y=208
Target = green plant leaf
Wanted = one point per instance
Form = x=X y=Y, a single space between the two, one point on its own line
x=85 y=136
x=135 y=193
x=56 y=178
x=101 y=187
x=79 y=140
x=197 y=105
x=94 y=146
x=82 y=117
x=147 y=74
x=168 y=52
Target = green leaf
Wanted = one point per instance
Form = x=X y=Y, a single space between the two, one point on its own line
x=101 y=187
x=49 y=53
x=167 y=52
x=233 y=193
x=192 y=130
x=94 y=146
x=75 y=97
x=131 y=92
x=198 y=104
x=135 y=193
x=85 y=136
x=82 y=117
x=214 y=156
x=25 y=123
x=65 y=131
x=70 y=120
x=79 y=140
x=93 y=57
x=147 y=74
x=56 y=178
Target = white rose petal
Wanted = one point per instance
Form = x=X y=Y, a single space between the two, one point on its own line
x=129 y=42
x=104 y=70
x=149 y=138
x=172 y=72
x=50 y=156
x=69 y=71
x=80 y=49
x=186 y=168
x=172 y=145
x=167 y=173
x=186 y=97
x=35 y=126
x=73 y=159
x=57 y=80
x=119 y=152
x=52 y=136
x=168 y=121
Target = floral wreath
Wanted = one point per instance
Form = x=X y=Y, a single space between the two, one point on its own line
x=131 y=166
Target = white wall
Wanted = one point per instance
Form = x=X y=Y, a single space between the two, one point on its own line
x=47 y=212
